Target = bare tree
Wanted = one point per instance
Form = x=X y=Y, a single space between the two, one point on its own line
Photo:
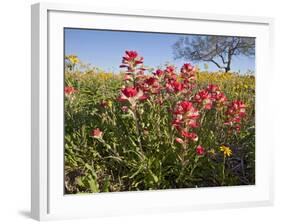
x=216 y=49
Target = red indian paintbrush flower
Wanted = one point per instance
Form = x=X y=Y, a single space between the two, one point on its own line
x=179 y=140
x=221 y=98
x=129 y=91
x=193 y=124
x=158 y=72
x=132 y=95
x=187 y=69
x=188 y=74
x=200 y=150
x=209 y=96
x=185 y=118
x=236 y=107
x=177 y=123
x=96 y=133
x=150 y=81
x=68 y=90
x=131 y=57
x=212 y=88
x=148 y=84
x=169 y=74
x=204 y=97
x=124 y=108
x=183 y=107
x=217 y=95
x=235 y=112
x=173 y=86
x=170 y=69
x=177 y=86
x=186 y=108
x=190 y=135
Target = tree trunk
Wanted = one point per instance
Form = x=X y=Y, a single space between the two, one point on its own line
x=227 y=69
x=229 y=56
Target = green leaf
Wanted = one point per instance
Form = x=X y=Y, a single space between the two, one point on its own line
x=79 y=181
x=155 y=178
x=106 y=184
x=93 y=184
x=137 y=172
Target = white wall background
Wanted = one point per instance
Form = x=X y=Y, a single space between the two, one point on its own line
x=15 y=110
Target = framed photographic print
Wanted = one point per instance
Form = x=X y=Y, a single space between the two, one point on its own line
x=148 y=111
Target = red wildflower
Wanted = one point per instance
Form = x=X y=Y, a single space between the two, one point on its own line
x=213 y=88
x=221 y=98
x=129 y=91
x=216 y=95
x=187 y=69
x=150 y=81
x=68 y=90
x=204 y=97
x=188 y=74
x=236 y=107
x=190 y=135
x=179 y=140
x=158 y=72
x=193 y=124
x=200 y=150
x=210 y=95
x=143 y=97
x=132 y=95
x=177 y=123
x=104 y=103
x=185 y=117
x=169 y=87
x=131 y=57
x=239 y=106
x=235 y=112
x=124 y=108
x=122 y=98
x=187 y=109
x=208 y=105
x=147 y=84
x=183 y=107
x=170 y=69
x=96 y=133
x=177 y=86
x=237 y=128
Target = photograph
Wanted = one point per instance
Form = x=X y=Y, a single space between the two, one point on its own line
x=157 y=111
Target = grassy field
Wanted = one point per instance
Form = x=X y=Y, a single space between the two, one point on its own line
x=166 y=129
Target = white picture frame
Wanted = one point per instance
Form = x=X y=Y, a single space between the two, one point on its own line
x=47 y=198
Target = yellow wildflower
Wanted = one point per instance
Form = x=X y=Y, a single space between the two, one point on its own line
x=73 y=59
x=110 y=103
x=226 y=150
x=212 y=152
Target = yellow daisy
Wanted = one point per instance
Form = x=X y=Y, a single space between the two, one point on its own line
x=226 y=150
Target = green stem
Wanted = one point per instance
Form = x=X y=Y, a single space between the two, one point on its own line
x=138 y=129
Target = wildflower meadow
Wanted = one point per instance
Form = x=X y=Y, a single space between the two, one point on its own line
x=159 y=128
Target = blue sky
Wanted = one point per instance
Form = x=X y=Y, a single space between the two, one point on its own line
x=104 y=49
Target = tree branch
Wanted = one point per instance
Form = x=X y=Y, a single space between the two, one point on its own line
x=222 y=58
x=217 y=64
